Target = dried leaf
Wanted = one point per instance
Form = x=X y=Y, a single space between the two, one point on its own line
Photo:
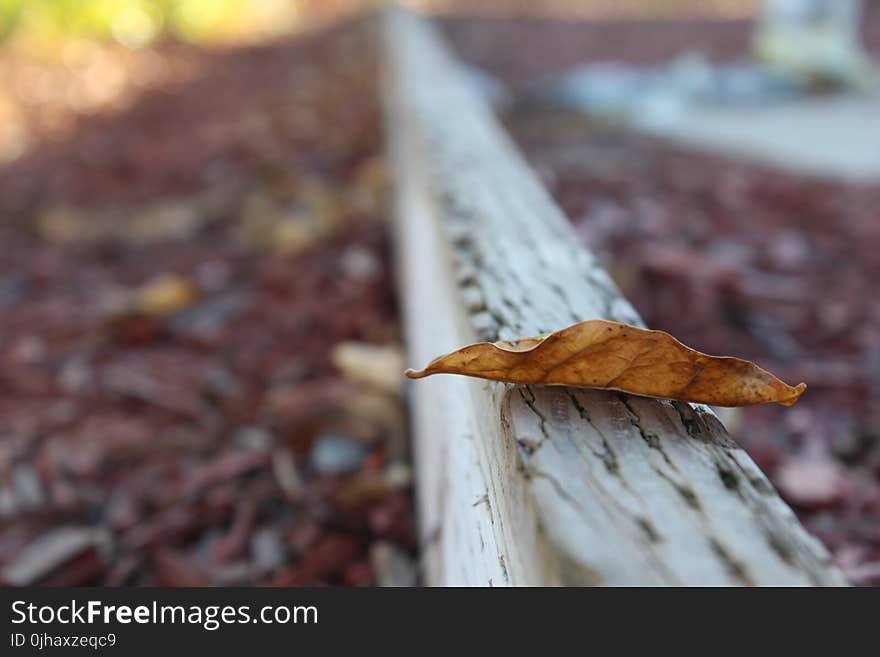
x=70 y=555
x=165 y=295
x=603 y=354
x=372 y=365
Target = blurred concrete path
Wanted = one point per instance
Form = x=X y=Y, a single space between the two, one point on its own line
x=832 y=136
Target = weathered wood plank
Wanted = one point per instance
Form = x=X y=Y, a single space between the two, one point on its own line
x=536 y=485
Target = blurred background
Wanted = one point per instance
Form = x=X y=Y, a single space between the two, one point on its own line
x=199 y=350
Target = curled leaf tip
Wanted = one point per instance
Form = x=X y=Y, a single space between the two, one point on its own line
x=797 y=391
x=614 y=356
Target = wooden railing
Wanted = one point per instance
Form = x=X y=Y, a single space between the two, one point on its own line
x=524 y=485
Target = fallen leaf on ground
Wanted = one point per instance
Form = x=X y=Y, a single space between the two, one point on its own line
x=377 y=366
x=165 y=295
x=615 y=356
x=68 y=555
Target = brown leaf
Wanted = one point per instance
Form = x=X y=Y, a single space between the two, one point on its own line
x=64 y=556
x=165 y=295
x=375 y=366
x=615 y=356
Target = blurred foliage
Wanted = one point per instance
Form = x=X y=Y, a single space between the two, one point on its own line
x=595 y=9
x=136 y=23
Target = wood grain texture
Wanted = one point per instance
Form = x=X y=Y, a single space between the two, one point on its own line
x=538 y=485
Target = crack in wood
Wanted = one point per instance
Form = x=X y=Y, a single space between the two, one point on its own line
x=735 y=567
x=651 y=438
x=607 y=455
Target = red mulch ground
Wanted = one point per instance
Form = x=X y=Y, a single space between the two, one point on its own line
x=732 y=259
x=190 y=429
